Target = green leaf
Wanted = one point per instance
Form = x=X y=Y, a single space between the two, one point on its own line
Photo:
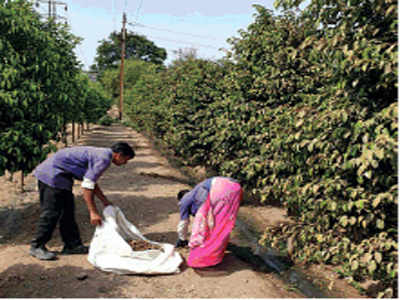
x=299 y=123
x=389 y=267
x=378 y=257
x=364 y=224
x=360 y=204
x=320 y=238
x=354 y=265
x=368 y=174
x=343 y=221
x=376 y=201
x=380 y=224
x=371 y=266
x=332 y=205
x=352 y=220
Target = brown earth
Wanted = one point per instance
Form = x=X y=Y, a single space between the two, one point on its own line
x=145 y=190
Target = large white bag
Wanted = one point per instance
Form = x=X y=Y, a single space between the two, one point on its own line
x=110 y=251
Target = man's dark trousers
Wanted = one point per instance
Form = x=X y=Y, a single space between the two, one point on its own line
x=56 y=205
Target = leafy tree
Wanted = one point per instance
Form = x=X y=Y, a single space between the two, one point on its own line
x=136 y=47
x=174 y=105
x=41 y=86
x=133 y=70
x=143 y=101
x=97 y=102
x=37 y=70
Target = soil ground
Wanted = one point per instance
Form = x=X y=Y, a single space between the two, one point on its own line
x=145 y=189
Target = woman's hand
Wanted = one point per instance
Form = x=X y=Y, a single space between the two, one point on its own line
x=106 y=202
x=181 y=243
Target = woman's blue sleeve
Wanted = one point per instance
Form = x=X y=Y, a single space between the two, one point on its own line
x=185 y=204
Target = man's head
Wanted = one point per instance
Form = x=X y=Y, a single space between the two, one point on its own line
x=122 y=152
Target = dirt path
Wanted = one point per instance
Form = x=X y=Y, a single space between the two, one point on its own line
x=145 y=190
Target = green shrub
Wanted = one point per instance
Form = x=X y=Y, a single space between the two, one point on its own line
x=106 y=120
x=303 y=111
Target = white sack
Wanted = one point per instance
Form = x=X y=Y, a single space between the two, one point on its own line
x=110 y=252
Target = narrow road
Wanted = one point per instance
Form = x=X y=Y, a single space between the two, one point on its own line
x=145 y=189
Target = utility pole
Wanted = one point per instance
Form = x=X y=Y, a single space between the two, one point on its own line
x=121 y=74
x=49 y=17
x=52 y=9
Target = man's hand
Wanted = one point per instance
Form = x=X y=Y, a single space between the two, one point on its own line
x=181 y=243
x=99 y=194
x=95 y=219
x=106 y=203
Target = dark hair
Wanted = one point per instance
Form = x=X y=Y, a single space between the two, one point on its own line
x=181 y=194
x=123 y=148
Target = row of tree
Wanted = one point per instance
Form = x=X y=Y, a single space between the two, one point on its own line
x=303 y=111
x=42 y=86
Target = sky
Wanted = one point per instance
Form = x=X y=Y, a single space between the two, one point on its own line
x=174 y=24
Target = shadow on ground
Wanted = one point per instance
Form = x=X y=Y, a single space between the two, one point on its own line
x=35 y=281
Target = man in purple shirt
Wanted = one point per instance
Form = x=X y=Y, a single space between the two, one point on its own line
x=55 y=179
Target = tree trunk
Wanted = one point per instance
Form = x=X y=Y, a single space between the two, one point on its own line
x=22 y=182
x=73 y=132
x=10 y=176
x=64 y=135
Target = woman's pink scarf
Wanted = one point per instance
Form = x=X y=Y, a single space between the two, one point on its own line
x=213 y=224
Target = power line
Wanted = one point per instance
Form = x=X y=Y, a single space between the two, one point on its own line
x=176 y=32
x=176 y=41
x=137 y=11
x=136 y=23
x=79 y=46
x=114 y=19
x=173 y=50
x=184 y=42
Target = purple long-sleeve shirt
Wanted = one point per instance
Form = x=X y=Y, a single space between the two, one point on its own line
x=191 y=201
x=60 y=169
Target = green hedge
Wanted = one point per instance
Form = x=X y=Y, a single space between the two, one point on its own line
x=303 y=111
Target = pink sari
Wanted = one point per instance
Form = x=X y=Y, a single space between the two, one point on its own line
x=213 y=224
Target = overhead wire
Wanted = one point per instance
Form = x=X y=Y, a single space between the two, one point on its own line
x=178 y=41
x=138 y=10
x=80 y=49
x=114 y=19
x=183 y=42
x=136 y=24
x=176 y=32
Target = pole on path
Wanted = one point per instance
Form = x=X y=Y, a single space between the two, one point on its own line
x=121 y=73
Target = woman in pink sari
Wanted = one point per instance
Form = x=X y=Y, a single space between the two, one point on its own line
x=214 y=203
